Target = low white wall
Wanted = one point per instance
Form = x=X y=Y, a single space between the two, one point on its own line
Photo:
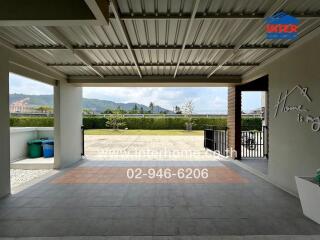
x=47 y=132
x=19 y=136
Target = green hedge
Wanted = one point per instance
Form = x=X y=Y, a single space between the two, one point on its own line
x=31 y=122
x=155 y=123
x=171 y=123
x=251 y=124
x=139 y=123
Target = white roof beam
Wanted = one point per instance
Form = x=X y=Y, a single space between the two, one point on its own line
x=78 y=54
x=124 y=17
x=235 y=64
x=186 y=36
x=212 y=15
x=29 y=62
x=154 y=47
x=100 y=10
x=124 y=32
x=155 y=81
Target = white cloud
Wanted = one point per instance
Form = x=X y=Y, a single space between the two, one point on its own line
x=251 y=101
x=165 y=97
x=20 y=84
x=214 y=104
x=206 y=100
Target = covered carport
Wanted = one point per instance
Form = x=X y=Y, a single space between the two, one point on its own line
x=71 y=44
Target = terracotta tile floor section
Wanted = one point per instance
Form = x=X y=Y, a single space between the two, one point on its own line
x=114 y=175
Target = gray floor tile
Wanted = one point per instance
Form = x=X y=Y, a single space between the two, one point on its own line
x=207 y=211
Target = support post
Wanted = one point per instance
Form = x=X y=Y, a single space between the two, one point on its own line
x=234 y=120
x=4 y=124
x=67 y=124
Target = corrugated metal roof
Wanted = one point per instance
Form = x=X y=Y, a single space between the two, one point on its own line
x=160 y=6
x=186 y=6
x=108 y=56
x=94 y=35
x=54 y=56
x=157 y=56
x=253 y=56
x=152 y=33
x=233 y=70
x=28 y=36
x=114 y=70
x=305 y=26
x=304 y=6
x=76 y=71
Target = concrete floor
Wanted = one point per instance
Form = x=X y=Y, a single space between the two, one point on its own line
x=259 y=164
x=95 y=198
x=56 y=207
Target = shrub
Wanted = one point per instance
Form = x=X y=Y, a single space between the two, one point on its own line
x=156 y=122
x=116 y=121
x=31 y=121
x=94 y=122
x=251 y=124
x=141 y=123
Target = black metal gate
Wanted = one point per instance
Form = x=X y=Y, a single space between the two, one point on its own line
x=82 y=135
x=254 y=144
x=215 y=139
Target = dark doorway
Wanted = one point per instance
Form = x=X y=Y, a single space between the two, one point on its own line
x=254 y=133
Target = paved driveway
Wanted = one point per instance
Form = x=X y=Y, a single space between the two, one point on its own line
x=142 y=147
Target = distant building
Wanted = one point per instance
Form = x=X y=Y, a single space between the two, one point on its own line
x=256 y=111
x=21 y=106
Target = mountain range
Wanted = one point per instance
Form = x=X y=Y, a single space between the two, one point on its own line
x=96 y=105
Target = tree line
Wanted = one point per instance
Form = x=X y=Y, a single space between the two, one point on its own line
x=136 y=110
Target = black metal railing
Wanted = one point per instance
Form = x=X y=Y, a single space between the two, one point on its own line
x=266 y=141
x=215 y=139
x=82 y=135
x=254 y=143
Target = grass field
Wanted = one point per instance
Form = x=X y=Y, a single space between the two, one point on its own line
x=142 y=132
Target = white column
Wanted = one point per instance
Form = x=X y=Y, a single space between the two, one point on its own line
x=67 y=124
x=4 y=125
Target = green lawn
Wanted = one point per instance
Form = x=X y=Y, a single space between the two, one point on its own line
x=142 y=132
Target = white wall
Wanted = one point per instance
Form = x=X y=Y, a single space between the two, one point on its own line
x=19 y=136
x=45 y=132
x=294 y=148
x=67 y=124
x=4 y=124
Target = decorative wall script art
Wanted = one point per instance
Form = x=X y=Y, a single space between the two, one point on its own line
x=304 y=115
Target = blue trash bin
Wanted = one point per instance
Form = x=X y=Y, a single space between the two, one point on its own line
x=48 y=148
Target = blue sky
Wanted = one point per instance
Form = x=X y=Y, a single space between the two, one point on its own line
x=206 y=99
